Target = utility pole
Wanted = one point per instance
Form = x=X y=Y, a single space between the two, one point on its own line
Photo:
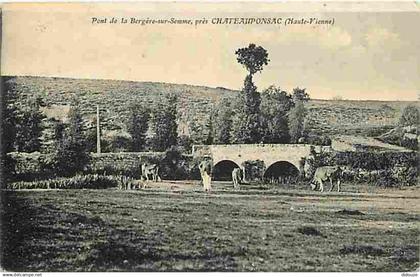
x=98 y=132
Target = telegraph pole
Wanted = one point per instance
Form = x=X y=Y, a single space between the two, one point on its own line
x=98 y=132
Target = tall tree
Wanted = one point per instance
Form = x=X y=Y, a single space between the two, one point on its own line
x=247 y=127
x=208 y=129
x=29 y=127
x=72 y=152
x=138 y=124
x=223 y=122
x=9 y=117
x=164 y=124
x=275 y=105
x=195 y=132
x=297 y=115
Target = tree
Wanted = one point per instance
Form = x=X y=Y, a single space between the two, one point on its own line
x=297 y=114
x=208 y=129
x=72 y=153
x=223 y=122
x=296 y=121
x=195 y=132
x=252 y=57
x=410 y=116
x=29 y=127
x=8 y=123
x=9 y=114
x=138 y=124
x=164 y=124
x=275 y=105
x=247 y=127
x=247 y=124
x=300 y=95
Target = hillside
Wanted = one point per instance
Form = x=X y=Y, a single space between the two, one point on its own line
x=324 y=116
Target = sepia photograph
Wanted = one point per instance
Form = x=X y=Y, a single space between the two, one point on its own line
x=210 y=137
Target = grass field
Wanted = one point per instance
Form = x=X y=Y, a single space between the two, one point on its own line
x=177 y=227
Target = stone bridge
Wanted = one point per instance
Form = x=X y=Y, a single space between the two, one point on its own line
x=270 y=154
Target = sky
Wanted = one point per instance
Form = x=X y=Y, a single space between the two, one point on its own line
x=363 y=55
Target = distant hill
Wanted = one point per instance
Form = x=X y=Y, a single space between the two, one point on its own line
x=330 y=117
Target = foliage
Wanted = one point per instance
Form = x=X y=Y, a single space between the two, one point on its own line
x=209 y=130
x=28 y=129
x=185 y=144
x=72 y=153
x=9 y=112
x=89 y=181
x=252 y=57
x=138 y=124
x=410 y=143
x=300 y=95
x=120 y=142
x=254 y=169
x=296 y=122
x=195 y=132
x=384 y=168
x=410 y=116
x=297 y=114
x=247 y=121
x=223 y=122
x=164 y=124
x=174 y=166
x=275 y=105
x=316 y=140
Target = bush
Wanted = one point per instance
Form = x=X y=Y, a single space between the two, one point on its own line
x=385 y=168
x=254 y=170
x=410 y=143
x=174 y=165
x=317 y=140
x=90 y=181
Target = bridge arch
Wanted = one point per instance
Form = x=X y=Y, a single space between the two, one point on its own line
x=222 y=170
x=281 y=169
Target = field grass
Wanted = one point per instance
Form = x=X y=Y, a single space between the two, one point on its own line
x=177 y=227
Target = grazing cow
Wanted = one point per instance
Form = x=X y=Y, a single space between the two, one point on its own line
x=150 y=171
x=236 y=177
x=206 y=171
x=325 y=173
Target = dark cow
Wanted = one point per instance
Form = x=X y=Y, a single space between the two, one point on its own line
x=325 y=173
x=150 y=171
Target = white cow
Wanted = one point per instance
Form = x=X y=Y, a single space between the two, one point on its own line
x=325 y=173
x=150 y=170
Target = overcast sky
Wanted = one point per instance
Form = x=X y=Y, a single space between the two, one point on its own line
x=363 y=56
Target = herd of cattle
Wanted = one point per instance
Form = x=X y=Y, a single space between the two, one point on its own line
x=323 y=174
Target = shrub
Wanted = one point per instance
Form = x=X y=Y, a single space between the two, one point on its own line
x=385 y=168
x=174 y=166
x=254 y=169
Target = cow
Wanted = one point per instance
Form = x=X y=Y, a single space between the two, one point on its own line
x=206 y=172
x=150 y=171
x=325 y=173
x=236 y=177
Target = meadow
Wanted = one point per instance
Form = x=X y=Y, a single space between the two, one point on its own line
x=175 y=226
